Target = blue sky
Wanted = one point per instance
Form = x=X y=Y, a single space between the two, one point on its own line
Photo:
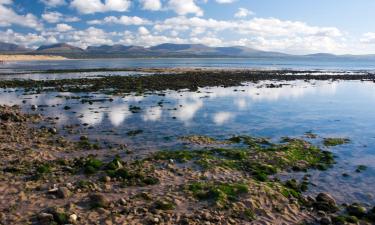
x=292 y=26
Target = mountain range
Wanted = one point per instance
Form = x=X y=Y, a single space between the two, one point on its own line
x=162 y=50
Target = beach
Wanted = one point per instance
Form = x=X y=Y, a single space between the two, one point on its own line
x=5 y=58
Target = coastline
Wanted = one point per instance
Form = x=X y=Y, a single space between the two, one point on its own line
x=9 y=58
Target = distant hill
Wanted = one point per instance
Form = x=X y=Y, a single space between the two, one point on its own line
x=12 y=48
x=162 y=50
x=62 y=48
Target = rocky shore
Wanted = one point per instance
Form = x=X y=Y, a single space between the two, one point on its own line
x=47 y=179
x=167 y=79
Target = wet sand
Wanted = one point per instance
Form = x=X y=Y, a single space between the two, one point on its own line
x=47 y=179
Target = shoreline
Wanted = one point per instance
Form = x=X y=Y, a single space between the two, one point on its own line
x=60 y=181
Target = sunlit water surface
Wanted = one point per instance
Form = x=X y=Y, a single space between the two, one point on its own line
x=329 y=109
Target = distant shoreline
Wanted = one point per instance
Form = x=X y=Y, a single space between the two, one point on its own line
x=7 y=58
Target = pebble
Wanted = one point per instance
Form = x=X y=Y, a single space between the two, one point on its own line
x=73 y=218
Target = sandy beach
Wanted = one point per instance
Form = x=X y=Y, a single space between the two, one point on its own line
x=4 y=58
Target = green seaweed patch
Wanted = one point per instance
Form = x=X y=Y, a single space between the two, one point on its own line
x=133 y=133
x=252 y=142
x=130 y=174
x=261 y=162
x=311 y=135
x=199 y=140
x=221 y=194
x=330 y=142
x=87 y=145
x=164 y=205
x=361 y=168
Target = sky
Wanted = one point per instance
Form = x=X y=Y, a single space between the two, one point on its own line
x=290 y=26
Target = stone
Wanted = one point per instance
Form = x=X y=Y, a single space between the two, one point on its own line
x=98 y=201
x=45 y=218
x=325 y=202
x=63 y=192
x=324 y=197
x=52 y=130
x=325 y=221
x=356 y=210
x=34 y=107
x=73 y=218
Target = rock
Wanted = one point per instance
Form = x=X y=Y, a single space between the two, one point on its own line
x=325 y=221
x=122 y=201
x=321 y=213
x=98 y=201
x=107 y=179
x=156 y=220
x=63 y=192
x=45 y=218
x=84 y=138
x=73 y=218
x=326 y=203
x=371 y=214
x=34 y=107
x=356 y=210
x=324 y=197
x=52 y=130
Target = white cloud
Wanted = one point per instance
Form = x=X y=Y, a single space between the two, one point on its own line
x=94 y=6
x=143 y=31
x=29 y=39
x=225 y=1
x=145 y=38
x=62 y=27
x=52 y=17
x=153 y=5
x=90 y=36
x=8 y=17
x=123 y=20
x=368 y=38
x=56 y=17
x=53 y=3
x=243 y=12
x=264 y=33
x=185 y=7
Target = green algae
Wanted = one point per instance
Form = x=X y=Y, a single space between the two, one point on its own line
x=219 y=193
x=261 y=159
x=330 y=142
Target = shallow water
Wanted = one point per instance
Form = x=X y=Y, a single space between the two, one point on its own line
x=293 y=63
x=328 y=109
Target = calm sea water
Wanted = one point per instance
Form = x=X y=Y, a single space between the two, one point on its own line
x=329 y=109
x=254 y=63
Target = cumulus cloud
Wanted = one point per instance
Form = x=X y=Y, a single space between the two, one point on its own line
x=94 y=6
x=123 y=20
x=225 y=1
x=243 y=12
x=62 y=27
x=264 y=33
x=8 y=17
x=368 y=38
x=185 y=7
x=152 y=5
x=28 y=39
x=56 y=17
x=53 y=3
